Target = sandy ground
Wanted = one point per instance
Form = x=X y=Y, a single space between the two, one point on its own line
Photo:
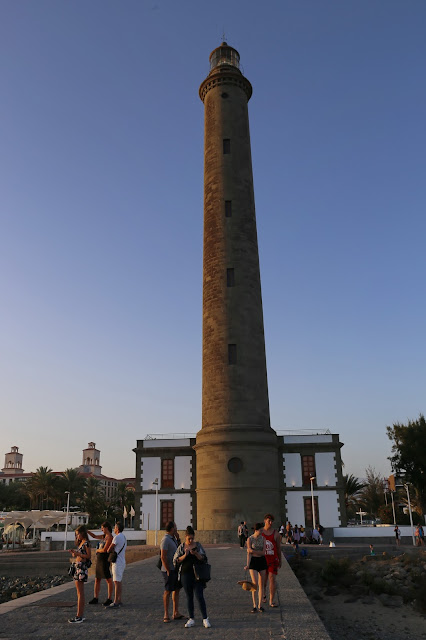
x=372 y=621
x=348 y=617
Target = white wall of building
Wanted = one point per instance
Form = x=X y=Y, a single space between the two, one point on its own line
x=292 y=470
x=179 y=442
x=371 y=532
x=328 y=507
x=325 y=470
x=295 y=508
x=307 y=439
x=183 y=472
x=182 y=509
x=151 y=469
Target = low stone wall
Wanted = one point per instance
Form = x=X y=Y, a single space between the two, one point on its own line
x=300 y=620
x=204 y=536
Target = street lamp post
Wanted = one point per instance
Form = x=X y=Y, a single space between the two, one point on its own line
x=66 y=520
x=155 y=483
x=410 y=512
x=393 y=509
x=313 y=501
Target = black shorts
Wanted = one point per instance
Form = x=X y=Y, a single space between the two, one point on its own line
x=171 y=580
x=258 y=564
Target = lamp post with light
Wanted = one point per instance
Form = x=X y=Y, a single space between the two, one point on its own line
x=155 y=483
x=312 y=478
x=67 y=493
x=410 y=512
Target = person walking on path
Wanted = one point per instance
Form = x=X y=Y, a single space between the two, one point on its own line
x=273 y=558
x=256 y=564
x=188 y=554
x=81 y=564
x=103 y=567
x=119 y=545
x=168 y=548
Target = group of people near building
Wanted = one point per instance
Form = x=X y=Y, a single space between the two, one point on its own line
x=180 y=566
x=179 y=561
x=295 y=535
x=110 y=565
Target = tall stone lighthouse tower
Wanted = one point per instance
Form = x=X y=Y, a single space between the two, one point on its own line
x=236 y=449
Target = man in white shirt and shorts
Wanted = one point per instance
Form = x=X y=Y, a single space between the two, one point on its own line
x=119 y=544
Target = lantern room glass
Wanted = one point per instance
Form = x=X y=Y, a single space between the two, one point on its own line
x=224 y=55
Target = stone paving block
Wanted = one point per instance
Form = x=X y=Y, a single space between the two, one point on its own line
x=142 y=615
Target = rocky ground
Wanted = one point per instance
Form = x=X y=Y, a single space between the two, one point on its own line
x=374 y=598
x=12 y=588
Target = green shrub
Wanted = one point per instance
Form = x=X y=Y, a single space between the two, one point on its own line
x=334 y=570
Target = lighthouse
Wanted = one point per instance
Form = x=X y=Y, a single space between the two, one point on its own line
x=237 y=456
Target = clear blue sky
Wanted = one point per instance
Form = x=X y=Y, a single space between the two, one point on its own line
x=101 y=194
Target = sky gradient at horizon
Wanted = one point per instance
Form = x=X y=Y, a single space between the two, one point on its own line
x=101 y=187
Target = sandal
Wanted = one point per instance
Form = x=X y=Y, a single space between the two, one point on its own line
x=272 y=604
x=165 y=619
x=264 y=599
x=254 y=610
x=179 y=617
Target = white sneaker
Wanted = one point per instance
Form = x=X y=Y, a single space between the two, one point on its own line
x=190 y=623
x=206 y=623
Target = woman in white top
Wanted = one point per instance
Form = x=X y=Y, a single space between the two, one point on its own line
x=256 y=563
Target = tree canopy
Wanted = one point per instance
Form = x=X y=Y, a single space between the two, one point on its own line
x=409 y=454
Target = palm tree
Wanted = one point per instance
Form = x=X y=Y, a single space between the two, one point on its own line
x=94 y=500
x=372 y=495
x=73 y=481
x=42 y=486
x=353 y=488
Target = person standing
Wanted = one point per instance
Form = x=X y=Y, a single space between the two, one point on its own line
x=397 y=533
x=241 y=535
x=168 y=548
x=245 y=531
x=119 y=545
x=256 y=564
x=188 y=554
x=296 y=534
x=103 y=567
x=82 y=562
x=273 y=557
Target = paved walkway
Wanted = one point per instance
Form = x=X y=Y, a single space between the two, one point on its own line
x=44 y=616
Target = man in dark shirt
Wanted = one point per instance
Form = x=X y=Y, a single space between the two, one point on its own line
x=168 y=547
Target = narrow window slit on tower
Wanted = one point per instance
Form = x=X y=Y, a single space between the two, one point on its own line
x=228 y=208
x=232 y=354
x=226 y=145
x=230 y=278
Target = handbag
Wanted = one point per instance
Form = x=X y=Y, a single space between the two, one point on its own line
x=202 y=572
x=159 y=562
x=71 y=570
x=112 y=556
